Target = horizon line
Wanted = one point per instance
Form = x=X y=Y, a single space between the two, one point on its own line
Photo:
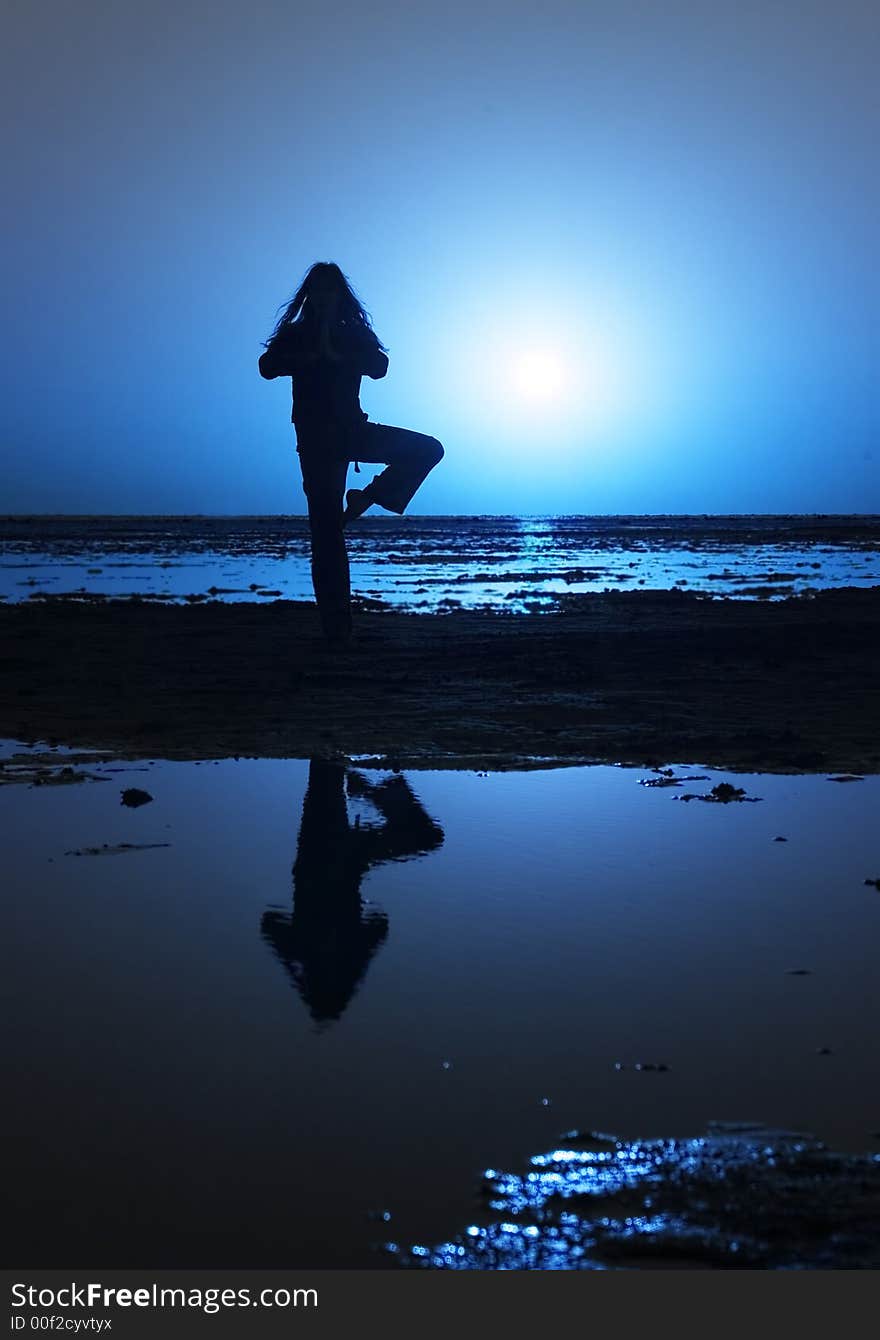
x=413 y=516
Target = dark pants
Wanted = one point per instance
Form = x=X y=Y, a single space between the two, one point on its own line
x=324 y=458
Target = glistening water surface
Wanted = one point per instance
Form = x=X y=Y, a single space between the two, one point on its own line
x=437 y=563
x=282 y=1012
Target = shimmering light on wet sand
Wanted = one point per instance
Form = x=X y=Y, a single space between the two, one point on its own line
x=739 y=1196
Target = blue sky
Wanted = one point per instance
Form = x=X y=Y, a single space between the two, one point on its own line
x=623 y=255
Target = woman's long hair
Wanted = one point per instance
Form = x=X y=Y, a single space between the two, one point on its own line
x=351 y=312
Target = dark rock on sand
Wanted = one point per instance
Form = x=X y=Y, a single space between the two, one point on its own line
x=119 y=849
x=722 y=794
x=132 y=796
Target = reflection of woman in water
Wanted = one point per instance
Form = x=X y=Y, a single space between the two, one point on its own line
x=325 y=343
x=328 y=941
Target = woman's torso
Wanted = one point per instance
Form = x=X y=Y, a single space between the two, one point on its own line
x=326 y=391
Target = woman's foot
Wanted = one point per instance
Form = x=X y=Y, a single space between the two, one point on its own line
x=356 y=503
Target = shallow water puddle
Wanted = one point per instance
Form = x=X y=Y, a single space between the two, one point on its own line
x=306 y=1006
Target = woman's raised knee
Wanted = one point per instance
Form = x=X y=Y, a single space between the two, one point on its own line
x=435 y=451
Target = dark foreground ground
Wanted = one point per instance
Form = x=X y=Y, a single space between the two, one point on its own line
x=640 y=677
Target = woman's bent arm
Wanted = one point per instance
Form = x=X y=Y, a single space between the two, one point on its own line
x=284 y=358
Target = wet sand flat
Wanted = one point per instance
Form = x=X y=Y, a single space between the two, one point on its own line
x=623 y=677
x=521 y=564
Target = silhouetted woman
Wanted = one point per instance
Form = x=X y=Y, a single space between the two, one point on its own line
x=325 y=343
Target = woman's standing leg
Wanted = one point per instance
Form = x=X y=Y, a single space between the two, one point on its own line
x=410 y=457
x=324 y=484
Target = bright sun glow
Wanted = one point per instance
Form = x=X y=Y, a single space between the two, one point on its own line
x=573 y=380
x=539 y=375
x=570 y=380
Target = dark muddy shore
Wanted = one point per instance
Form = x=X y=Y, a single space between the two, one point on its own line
x=636 y=677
